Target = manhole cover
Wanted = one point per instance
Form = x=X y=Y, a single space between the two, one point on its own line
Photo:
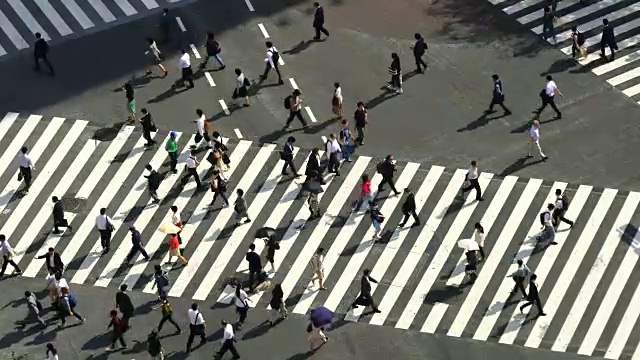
x=72 y=204
x=105 y=134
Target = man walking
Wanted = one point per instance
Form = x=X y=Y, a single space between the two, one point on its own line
x=228 y=341
x=255 y=265
x=608 y=39
x=534 y=297
x=7 y=256
x=333 y=153
x=58 y=216
x=361 y=119
x=472 y=180
x=293 y=103
x=562 y=205
x=106 y=229
x=365 y=298
x=240 y=208
x=35 y=308
x=314 y=167
x=40 y=52
x=185 y=67
x=547 y=95
x=519 y=276
x=548 y=234
x=197 y=326
x=318 y=21
x=153 y=183
x=409 y=209
x=53 y=261
x=419 y=49
x=172 y=148
x=137 y=245
x=26 y=168
x=167 y=315
x=387 y=169
x=125 y=305
x=192 y=169
x=498 y=96
x=272 y=62
x=148 y=126
x=213 y=50
x=287 y=156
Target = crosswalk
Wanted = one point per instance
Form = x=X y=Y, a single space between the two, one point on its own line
x=588 y=284
x=624 y=15
x=21 y=19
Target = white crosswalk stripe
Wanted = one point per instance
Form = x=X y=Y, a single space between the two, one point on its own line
x=585 y=281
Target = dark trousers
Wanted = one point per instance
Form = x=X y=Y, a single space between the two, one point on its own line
x=474 y=184
x=420 y=63
x=45 y=60
x=408 y=213
x=154 y=194
x=242 y=314
x=64 y=314
x=289 y=164
x=169 y=318
x=548 y=100
x=268 y=68
x=58 y=223
x=195 y=330
x=146 y=134
x=117 y=336
x=173 y=158
x=320 y=29
x=531 y=302
x=612 y=47
x=32 y=318
x=334 y=163
x=387 y=180
x=548 y=30
x=364 y=300
x=192 y=172
x=360 y=132
x=187 y=76
x=498 y=101
x=105 y=239
x=296 y=114
x=26 y=176
x=482 y=252
x=396 y=81
x=575 y=50
x=54 y=270
x=253 y=273
x=134 y=250
x=519 y=285
x=558 y=215
x=222 y=195
x=228 y=345
x=6 y=261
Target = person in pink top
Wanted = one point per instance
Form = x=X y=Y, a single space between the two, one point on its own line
x=365 y=194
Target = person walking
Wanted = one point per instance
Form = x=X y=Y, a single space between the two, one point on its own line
x=242 y=88
x=174 y=250
x=547 y=96
x=125 y=305
x=287 y=156
x=156 y=57
x=336 y=101
x=533 y=139
x=34 y=311
x=317 y=338
x=497 y=97
x=561 y=207
x=153 y=182
x=519 y=276
x=154 y=347
x=202 y=130
x=365 y=194
x=53 y=261
x=314 y=206
x=148 y=126
x=213 y=50
x=548 y=27
x=192 y=169
x=67 y=307
x=40 y=53
x=255 y=266
x=167 y=315
x=273 y=56
x=7 y=256
x=242 y=306
x=365 y=298
x=105 y=227
x=219 y=188
x=58 y=216
x=118 y=328
x=548 y=234
x=185 y=68
x=577 y=43
x=376 y=220
x=361 y=119
x=26 y=169
x=472 y=179
x=176 y=220
x=172 y=148
x=197 y=326
x=419 y=49
x=137 y=245
x=314 y=168
x=272 y=246
x=278 y=306
x=160 y=281
x=293 y=103
x=318 y=21
x=52 y=352
x=345 y=138
x=387 y=169
x=534 y=297
x=395 y=70
x=478 y=236
x=240 y=208
x=409 y=209
x=334 y=153
x=130 y=103
x=317 y=268
x=608 y=39
x=228 y=341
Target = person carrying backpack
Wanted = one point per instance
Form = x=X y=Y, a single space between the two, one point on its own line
x=118 y=327
x=161 y=281
x=273 y=56
x=154 y=347
x=293 y=103
x=548 y=234
x=66 y=307
x=577 y=43
x=562 y=205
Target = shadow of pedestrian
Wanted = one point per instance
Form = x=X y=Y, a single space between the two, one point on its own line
x=275 y=136
x=300 y=356
x=442 y=294
x=97 y=342
x=138 y=347
x=481 y=121
x=172 y=91
x=559 y=66
x=257 y=331
x=518 y=165
x=386 y=95
x=300 y=47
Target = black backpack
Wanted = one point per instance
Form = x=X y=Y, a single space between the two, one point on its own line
x=565 y=202
x=580 y=38
x=275 y=56
x=380 y=168
x=287 y=102
x=542 y=217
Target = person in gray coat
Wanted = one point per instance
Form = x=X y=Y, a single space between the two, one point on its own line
x=240 y=208
x=34 y=307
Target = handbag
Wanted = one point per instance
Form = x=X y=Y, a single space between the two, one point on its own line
x=110 y=227
x=19 y=175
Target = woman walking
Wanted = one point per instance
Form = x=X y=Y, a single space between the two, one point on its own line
x=278 y=307
x=478 y=236
x=174 y=250
x=336 y=101
x=130 y=102
x=365 y=194
x=376 y=220
x=52 y=352
x=317 y=338
x=242 y=88
x=242 y=306
x=156 y=57
x=218 y=187
x=160 y=281
x=395 y=70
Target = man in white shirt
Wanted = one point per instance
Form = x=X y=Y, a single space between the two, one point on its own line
x=192 y=169
x=533 y=139
x=548 y=234
x=105 y=228
x=185 y=67
x=273 y=56
x=201 y=128
x=562 y=205
x=548 y=95
x=197 y=326
x=472 y=179
x=26 y=167
x=228 y=341
x=7 y=256
x=333 y=153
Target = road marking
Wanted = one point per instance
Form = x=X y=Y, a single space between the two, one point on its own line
x=324 y=139
x=280 y=61
x=293 y=84
x=78 y=14
x=54 y=17
x=102 y=10
x=194 y=49
x=224 y=107
x=50 y=242
x=264 y=31
x=310 y=113
x=150 y=4
x=181 y=24
x=249 y=5
x=18 y=140
x=126 y=7
x=28 y=19
x=238 y=133
x=209 y=78
x=435 y=316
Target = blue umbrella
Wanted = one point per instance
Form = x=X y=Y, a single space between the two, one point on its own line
x=321 y=316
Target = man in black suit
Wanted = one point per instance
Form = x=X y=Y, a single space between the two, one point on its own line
x=123 y=302
x=255 y=265
x=318 y=21
x=533 y=297
x=53 y=261
x=40 y=51
x=314 y=167
x=419 y=49
x=58 y=216
x=387 y=169
x=608 y=39
x=409 y=209
x=287 y=156
x=365 y=297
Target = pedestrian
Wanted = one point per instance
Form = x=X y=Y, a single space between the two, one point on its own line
x=154 y=347
x=59 y=283
x=318 y=21
x=26 y=168
x=105 y=227
x=365 y=194
x=148 y=126
x=334 y=154
x=160 y=281
x=255 y=265
x=130 y=103
x=471 y=268
x=136 y=245
x=273 y=56
x=577 y=43
x=202 y=130
x=293 y=103
x=174 y=250
x=197 y=326
x=548 y=234
x=419 y=49
x=317 y=338
x=218 y=157
x=228 y=341
x=218 y=187
x=125 y=305
x=242 y=306
x=40 y=52
x=53 y=261
x=153 y=183
x=478 y=236
x=376 y=220
x=314 y=168
x=547 y=95
x=35 y=309
x=185 y=68
x=533 y=138
x=176 y=220
x=167 y=315
x=240 y=208
x=7 y=256
x=286 y=155
x=172 y=148
x=336 y=101
x=472 y=180
x=272 y=246
x=548 y=27
x=58 y=216
x=118 y=328
x=242 y=88
x=519 y=276
x=561 y=207
x=317 y=268
x=192 y=169
x=365 y=298
x=52 y=352
x=395 y=70
x=165 y=25
x=361 y=119
x=67 y=307
x=314 y=206
x=156 y=57
x=608 y=39
x=346 y=141
x=278 y=306
x=387 y=169
x=213 y=50
x=534 y=297
x=497 y=97
x=409 y=209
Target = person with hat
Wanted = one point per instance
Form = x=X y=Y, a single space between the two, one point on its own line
x=172 y=148
x=137 y=245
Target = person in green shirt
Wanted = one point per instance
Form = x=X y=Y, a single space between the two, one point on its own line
x=172 y=149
